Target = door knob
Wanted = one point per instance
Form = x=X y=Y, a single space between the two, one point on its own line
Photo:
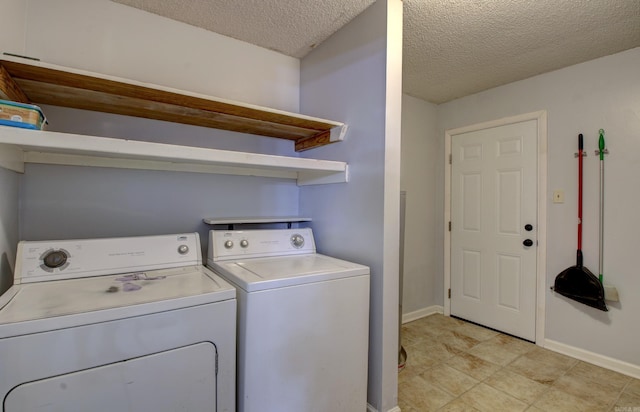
x=528 y=242
x=528 y=227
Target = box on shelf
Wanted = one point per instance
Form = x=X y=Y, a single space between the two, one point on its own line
x=22 y=115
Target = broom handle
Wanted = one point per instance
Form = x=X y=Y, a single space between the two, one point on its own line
x=601 y=263
x=580 y=147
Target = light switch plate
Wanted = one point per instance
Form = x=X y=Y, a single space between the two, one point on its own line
x=558 y=196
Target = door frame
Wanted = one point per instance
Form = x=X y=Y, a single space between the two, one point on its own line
x=541 y=251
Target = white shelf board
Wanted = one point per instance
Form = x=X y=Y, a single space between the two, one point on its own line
x=19 y=146
x=245 y=220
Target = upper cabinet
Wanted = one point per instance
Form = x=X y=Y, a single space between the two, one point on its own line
x=35 y=82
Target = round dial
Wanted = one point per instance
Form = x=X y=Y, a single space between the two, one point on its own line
x=228 y=244
x=244 y=243
x=55 y=259
x=183 y=249
x=297 y=241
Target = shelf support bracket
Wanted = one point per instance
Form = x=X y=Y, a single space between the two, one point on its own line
x=12 y=158
x=335 y=134
x=311 y=178
x=9 y=89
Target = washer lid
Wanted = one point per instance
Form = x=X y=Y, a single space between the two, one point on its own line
x=276 y=272
x=103 y=298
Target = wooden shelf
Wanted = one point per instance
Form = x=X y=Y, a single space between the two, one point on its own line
x=19 y=146
x=34 y=82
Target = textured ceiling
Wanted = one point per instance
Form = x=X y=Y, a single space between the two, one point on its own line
x=291 y=27
x=452 y=48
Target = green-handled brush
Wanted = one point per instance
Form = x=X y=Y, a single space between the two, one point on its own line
x=610 y=292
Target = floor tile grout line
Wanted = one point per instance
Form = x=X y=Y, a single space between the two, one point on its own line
x=500 y=368
x=620 y=393
x=504 y=368
x=610 y=406
x=550 y=386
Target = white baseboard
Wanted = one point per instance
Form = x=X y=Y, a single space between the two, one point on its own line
x=372 y=409
x=599 y=360
x=421 y=313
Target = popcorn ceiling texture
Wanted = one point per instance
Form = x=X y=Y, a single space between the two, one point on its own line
x=452 y=48
x=291 y=27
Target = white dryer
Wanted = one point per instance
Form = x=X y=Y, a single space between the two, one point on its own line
x=118 y=324
x=303 y=321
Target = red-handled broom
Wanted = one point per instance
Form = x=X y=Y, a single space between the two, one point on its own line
x=577 y=282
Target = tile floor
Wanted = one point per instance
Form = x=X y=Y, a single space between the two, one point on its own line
x=454 y=365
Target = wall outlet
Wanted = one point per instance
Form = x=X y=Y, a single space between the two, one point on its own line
x=558 y=196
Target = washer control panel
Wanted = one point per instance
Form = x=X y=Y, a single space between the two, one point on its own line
x=67 y=259
x=52 y=259
x=230 y=244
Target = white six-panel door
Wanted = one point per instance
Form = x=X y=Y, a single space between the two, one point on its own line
x=493 y=199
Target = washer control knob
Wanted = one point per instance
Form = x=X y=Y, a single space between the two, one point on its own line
x=55 y=259
x=228 y=244
x=183 y=249
x=297 y=241
x=244 y=243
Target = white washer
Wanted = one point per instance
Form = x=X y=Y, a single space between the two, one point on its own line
x=303 y=321
x=118 y=324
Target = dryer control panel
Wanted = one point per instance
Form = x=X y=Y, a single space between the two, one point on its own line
x=67 y=259
x=232 y=244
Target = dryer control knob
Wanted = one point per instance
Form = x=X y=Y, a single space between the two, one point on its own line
x=297 y=241
x=183 y=249
x=244 y=243
x=55 y=259
x=228 y=244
